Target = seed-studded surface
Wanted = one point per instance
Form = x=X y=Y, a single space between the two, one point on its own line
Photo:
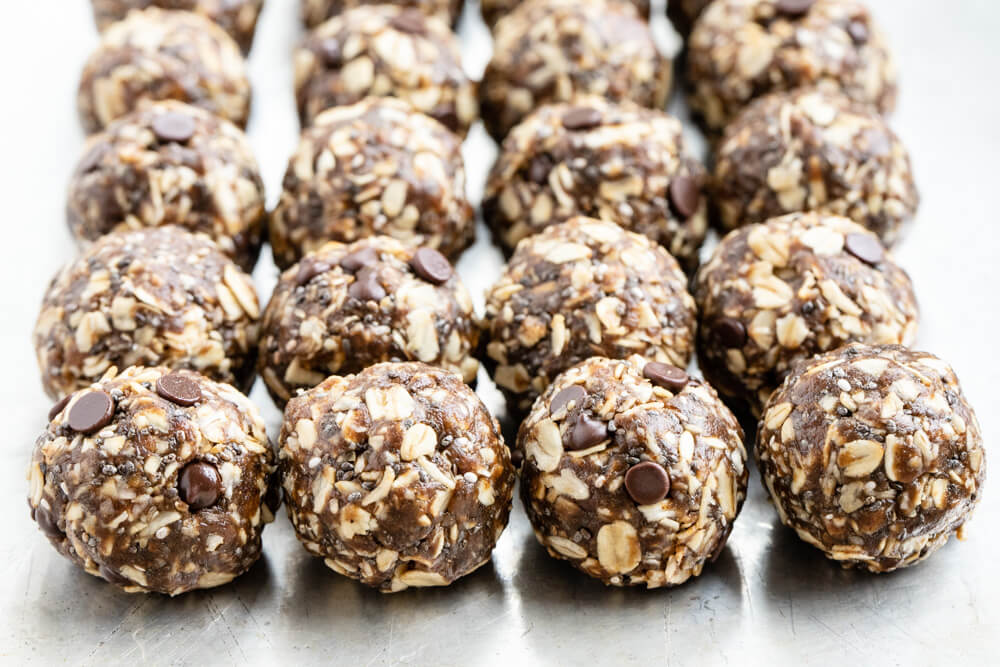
x=237 y=17
x=683 y=14
x=315 y=12
x=742 y=49
x=375 y=167
x=494 y=10
x=872 y=455
x=170 y=163
x=551 y=50
x=627 y=164
x=120 y=500
x=580 y=289
x=397 y=476
x=795 y=286
x=808 y=150
x=385 y=51
x=581 y=500
x=346 y=307
x=149 y=297
x=163 y=55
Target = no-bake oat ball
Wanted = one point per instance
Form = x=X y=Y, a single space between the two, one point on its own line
x=170 y=164
x=346 y=307
x=592 y=157
x=375 y=167
x=581 y=289
x=385 y=51
x=552 y=50
x=237 y=17
x=315 y=12
x=810 y=151
x=154 y=297
x=633 y=472
x=494 y=10
x=872 y=455
x=781 y=291
x=158 y=481
x=397 y=476
x=157 y=54
x=684 y=13
x=742 y=49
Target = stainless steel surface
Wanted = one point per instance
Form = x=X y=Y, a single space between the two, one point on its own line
x=770 y=599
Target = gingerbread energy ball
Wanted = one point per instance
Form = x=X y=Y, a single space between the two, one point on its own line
x=237 y=17
x=375 y=167
x=806 y=150
x=633 y=472
x=385 y=51
x=872 y=455
x=741 y=49
x=170 y=163
x=552 y=50
x=155 y=480
x=397 y=476
x=163 y=55
x=593 y=157
x=315 y=12
x=346 y=307
x=684 y=13
x=581 y=289
x=155 y=297
x=795 y=286
x=494 y=10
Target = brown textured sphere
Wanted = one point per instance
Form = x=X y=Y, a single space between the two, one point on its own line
x=872 y=455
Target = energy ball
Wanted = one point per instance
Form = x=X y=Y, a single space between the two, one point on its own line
x=494 y=10
x=315 y=12
x=170 y=163
x=549 y=51
x=163 y=55
x=796 y=286
x=872 y=455
x=397 y=476
x=633 y=472
x=375 y=167
x=385 y=51
x=346 y=307
x=810 y=151
x=158 y=481
x=622 y=163
x=237 y=17
x=584 y=288
x=684 y=13
x=153 y=297
x=742 y=49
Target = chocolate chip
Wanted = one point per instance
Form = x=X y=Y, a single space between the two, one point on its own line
x=572 y=394
x=793 y=7
x=729 y=332
x=858 y=32
x=113 y=577
x=581 y=118
x=516 y=458
x=431 y=265
x=274 y=494
x=664 y=375
x=309 y=268
x=410 y=21
x=586 y=432
x=359 y=259
x=647 y=482
x=199 y=485
x=58 y=407
x=366 y=286
x=684 y=196
x=173 y=126
x=47 y=522
x=332 y=54
x=538 y=171
x=865 y=247
x=179 y=389
x=91 y=412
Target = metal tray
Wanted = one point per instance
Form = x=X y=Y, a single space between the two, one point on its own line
x=769 y=599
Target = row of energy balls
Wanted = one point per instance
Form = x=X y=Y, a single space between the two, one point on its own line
x=397 y=475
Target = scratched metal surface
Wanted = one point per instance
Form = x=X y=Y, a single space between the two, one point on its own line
x=768 y=599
